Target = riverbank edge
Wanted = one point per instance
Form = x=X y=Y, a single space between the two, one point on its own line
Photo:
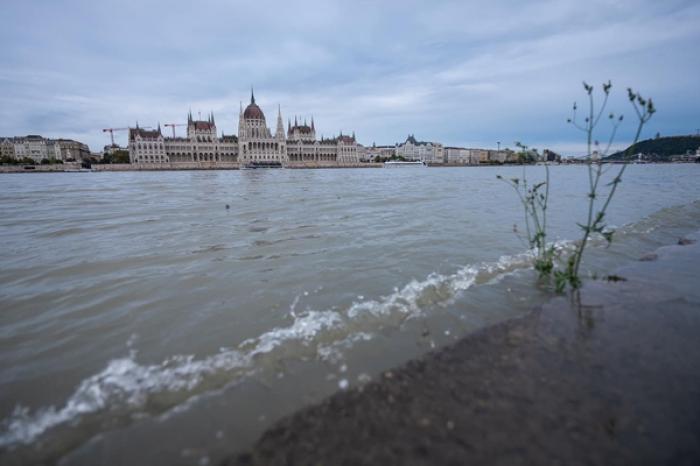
x=567 y=383
x=76 y=167
x=176 y=166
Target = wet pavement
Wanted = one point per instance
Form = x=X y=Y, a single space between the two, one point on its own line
x=611 y=376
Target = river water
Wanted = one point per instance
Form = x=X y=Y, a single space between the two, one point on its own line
x=142 y=321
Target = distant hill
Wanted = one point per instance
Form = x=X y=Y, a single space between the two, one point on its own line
x=659 y=149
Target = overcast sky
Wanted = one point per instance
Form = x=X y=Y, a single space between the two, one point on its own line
x=457 y=72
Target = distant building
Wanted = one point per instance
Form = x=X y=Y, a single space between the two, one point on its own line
x=113 y=149
x=39 y=148
x=461 y=156
x=302 y=145
x=34 y=147
x=346 y=148
x=550 y=156
x=147 y=146
x=362 y=153
x=69 y=150
x=482 y=155
x=255 y=142
x=385 y=152
x=499 y=156
x=200 y=145
x=412 y=150
x=7 y=148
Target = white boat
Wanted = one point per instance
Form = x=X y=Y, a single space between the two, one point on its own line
x=399 y=163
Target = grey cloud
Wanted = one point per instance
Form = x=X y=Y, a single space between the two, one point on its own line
x=462 y=72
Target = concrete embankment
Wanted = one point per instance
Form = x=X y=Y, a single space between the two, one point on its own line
x=121 y=167
x=219 y=166
x=609 y=377
x=333 y=165
x=59 y=167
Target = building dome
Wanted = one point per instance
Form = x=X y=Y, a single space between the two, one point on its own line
x=252 y=111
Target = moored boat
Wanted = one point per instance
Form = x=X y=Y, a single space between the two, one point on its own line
x=400 y=163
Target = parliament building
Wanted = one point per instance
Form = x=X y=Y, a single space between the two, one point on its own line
x=255 y=143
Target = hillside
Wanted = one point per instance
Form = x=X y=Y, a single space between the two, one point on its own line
x=660 y=149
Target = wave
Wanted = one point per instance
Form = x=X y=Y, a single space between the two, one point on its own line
x=125 y=386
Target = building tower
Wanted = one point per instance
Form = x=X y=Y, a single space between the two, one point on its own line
x=255 y=140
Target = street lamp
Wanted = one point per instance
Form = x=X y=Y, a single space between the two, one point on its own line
x=499 y=145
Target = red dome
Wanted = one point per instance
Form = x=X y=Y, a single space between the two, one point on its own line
x=252 y=111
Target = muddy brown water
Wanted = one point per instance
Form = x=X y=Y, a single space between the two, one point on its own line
x=136 y=310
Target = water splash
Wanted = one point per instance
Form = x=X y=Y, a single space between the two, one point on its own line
x=126 y=384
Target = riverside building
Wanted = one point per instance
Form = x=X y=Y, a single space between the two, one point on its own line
x=461 y=156
x=254 y=144
x=200 y=145
x=423 y=151
x=39 y=148
x=302 y=145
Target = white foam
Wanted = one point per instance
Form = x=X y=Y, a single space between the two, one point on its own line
x=125 y=383
x=333 y=352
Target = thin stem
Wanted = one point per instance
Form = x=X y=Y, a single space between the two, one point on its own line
x=602 y=109
x=610 y=141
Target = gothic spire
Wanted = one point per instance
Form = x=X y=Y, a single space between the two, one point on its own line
x=280 y=125
x=252 y=96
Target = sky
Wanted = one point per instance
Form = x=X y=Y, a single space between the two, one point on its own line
x=462 y=73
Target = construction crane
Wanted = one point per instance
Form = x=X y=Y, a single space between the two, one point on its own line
x=112 y=130
x=173 y=125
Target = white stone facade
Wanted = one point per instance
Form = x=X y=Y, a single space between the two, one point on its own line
x=147 y=146
x=69 y=150
x=200 y=145
x=384 y=152
x=413 y=150
x=461 y=156
x=302 y=146
x=7 y=148
x=255 y=143
x=39 y=148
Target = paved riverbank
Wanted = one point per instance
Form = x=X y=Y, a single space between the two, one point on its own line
x=48 y=168
x=611 y=379
x=175 y=166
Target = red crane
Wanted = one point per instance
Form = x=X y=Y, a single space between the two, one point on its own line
x=173 y=125
x=112 y=130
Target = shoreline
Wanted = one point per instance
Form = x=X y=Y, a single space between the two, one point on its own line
x=76 y=167
x=611 y=379
x=70 y=167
